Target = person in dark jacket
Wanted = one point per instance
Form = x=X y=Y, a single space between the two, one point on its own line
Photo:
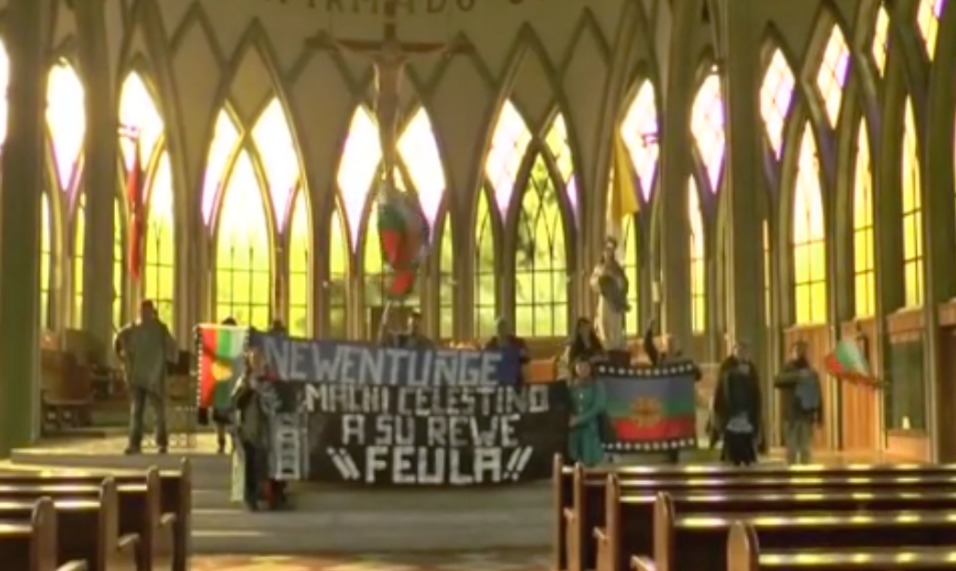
x=507 y=341
x=801 y=404
x=252 y=429
x=585 y=345
x=737 y=407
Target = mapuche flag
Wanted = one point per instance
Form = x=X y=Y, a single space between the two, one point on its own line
x=847 y=361
x=135 y=185
x=221 y=350
x=403 y=233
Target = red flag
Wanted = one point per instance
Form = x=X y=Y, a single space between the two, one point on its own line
x=134 y=196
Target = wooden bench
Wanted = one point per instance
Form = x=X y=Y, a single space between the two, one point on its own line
x=629 y=528
x=32 y=545
x=138 y=513
x=175 y=499
x=744 y=554
x=699 y=541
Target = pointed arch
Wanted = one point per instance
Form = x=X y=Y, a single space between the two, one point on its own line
x=139 y=114
x=541 y=257
x=698 y=259
x=222 y=152
x=639 y=131
x=832 y=74
x=418 y=152
x=485 y=273
x=337 y=286
x=864 y=256
x=159 y=259
x=808 y=236
x=300 y=266
x=244 y=279
x=509 y=144
x=707 y=128
x=558 y=144
x=912 y=211
x=272 y=136
x=879 y=50
x=361 y=155
x=776 y=96
x=79 y=250
x=447 y=292
x=66 y=123
x=928 y=13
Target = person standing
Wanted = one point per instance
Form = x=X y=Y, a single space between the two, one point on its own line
x=506 y=341
x=412 y=337
x=145 y=348
x=252 y=429
x=801 y=404
x=588 y=410
x=737 y=407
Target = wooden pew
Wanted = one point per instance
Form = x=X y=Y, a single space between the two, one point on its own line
x=175 y=499
x=138 y=513
x=699 y=541
x=744 y=554
x=31 y=545
x=629 y=528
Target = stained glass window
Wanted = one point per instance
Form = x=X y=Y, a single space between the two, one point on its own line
x=337 y=285
x=558 y=143
x=358 y=168
x=66 y=120
x=300 y=269
x=225 y=139
x=446 y=283
x=509 y=143
x=419 y=153
x=46 y=260
x=486 y=277
x=698 y=260
x=630 y=261
x=776 y=92
x=541 y=275
x=809 y=238
x=767 y=275
x=864 y=258
x=377 y=275
x=4 y=81
x=243 y=252
x=119 y=263
x=832 y=74
x=639 y=130
x=881 y=38
x=707 y=126
x=159 y=275
x=273 y=138
x=138 y=112
x=927 y=20
x=79 y=248
x=912 y=213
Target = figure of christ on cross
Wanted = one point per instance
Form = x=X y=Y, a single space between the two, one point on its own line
x=389 y=57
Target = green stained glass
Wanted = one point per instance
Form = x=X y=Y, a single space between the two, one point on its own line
x=446 y=283
x=300 y=264
x=486 y=282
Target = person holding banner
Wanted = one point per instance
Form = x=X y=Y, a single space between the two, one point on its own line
x=588 y=410
x=252 y=429
x=506 y=341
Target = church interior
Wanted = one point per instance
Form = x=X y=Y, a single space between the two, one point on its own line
x=787 y=169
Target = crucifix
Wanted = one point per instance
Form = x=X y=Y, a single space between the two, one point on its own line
x=389 y=57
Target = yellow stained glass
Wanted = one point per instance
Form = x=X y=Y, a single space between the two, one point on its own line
x=419 y=153
x=509 y=143
x=698 y=261
x=912 y=212
x=831 y=76
x=377 y=275
x=358 y=167
x=140 y=115
x=243 y=250
x=66 y=120
x=707 y=127
x=337 y=286
x=273 y=138
x=558 y=144
x=927 y=20
x=776 y=92
x=4 y=81
x=225 y=139
x=630 y=261
x=639 y=130
x=159 y=275
x=79 y=248
x=46 y=260
x=300 y=269
x=486 y=278
x=808 y=240
x=864 y=268
x=119 y=263
x=881 y=38
x=541 y=274
x=446 y=283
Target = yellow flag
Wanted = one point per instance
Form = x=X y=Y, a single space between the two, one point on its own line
x=623 y=199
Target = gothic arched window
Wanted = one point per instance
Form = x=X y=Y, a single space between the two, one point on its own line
x=639 y=131
x=446 y=281
x=485 y=274
x=808 y=239
x=337 y=286
x=79 y=247
x=832 y=73
x=864 y=258
x=46 y=259
x=300 y=269
x=159 y=268
x=707 y=127
x=881 y=39
x=119 y=259
x=698 y=259
x=912 y=212
x=776 y=92
x=928 y=14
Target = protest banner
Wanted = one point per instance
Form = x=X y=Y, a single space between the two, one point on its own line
x=651 y=408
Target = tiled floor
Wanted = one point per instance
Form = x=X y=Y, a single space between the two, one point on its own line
x=483 y=561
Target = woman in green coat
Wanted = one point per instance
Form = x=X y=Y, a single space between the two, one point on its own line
x=588 y=405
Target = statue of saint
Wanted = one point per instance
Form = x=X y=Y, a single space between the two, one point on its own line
x=609 y=281
x=389 y=57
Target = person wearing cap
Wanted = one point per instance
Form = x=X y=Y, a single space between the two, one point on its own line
x=412 y=337
x=145 y=347
x=507 y=341
x=609 y=282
